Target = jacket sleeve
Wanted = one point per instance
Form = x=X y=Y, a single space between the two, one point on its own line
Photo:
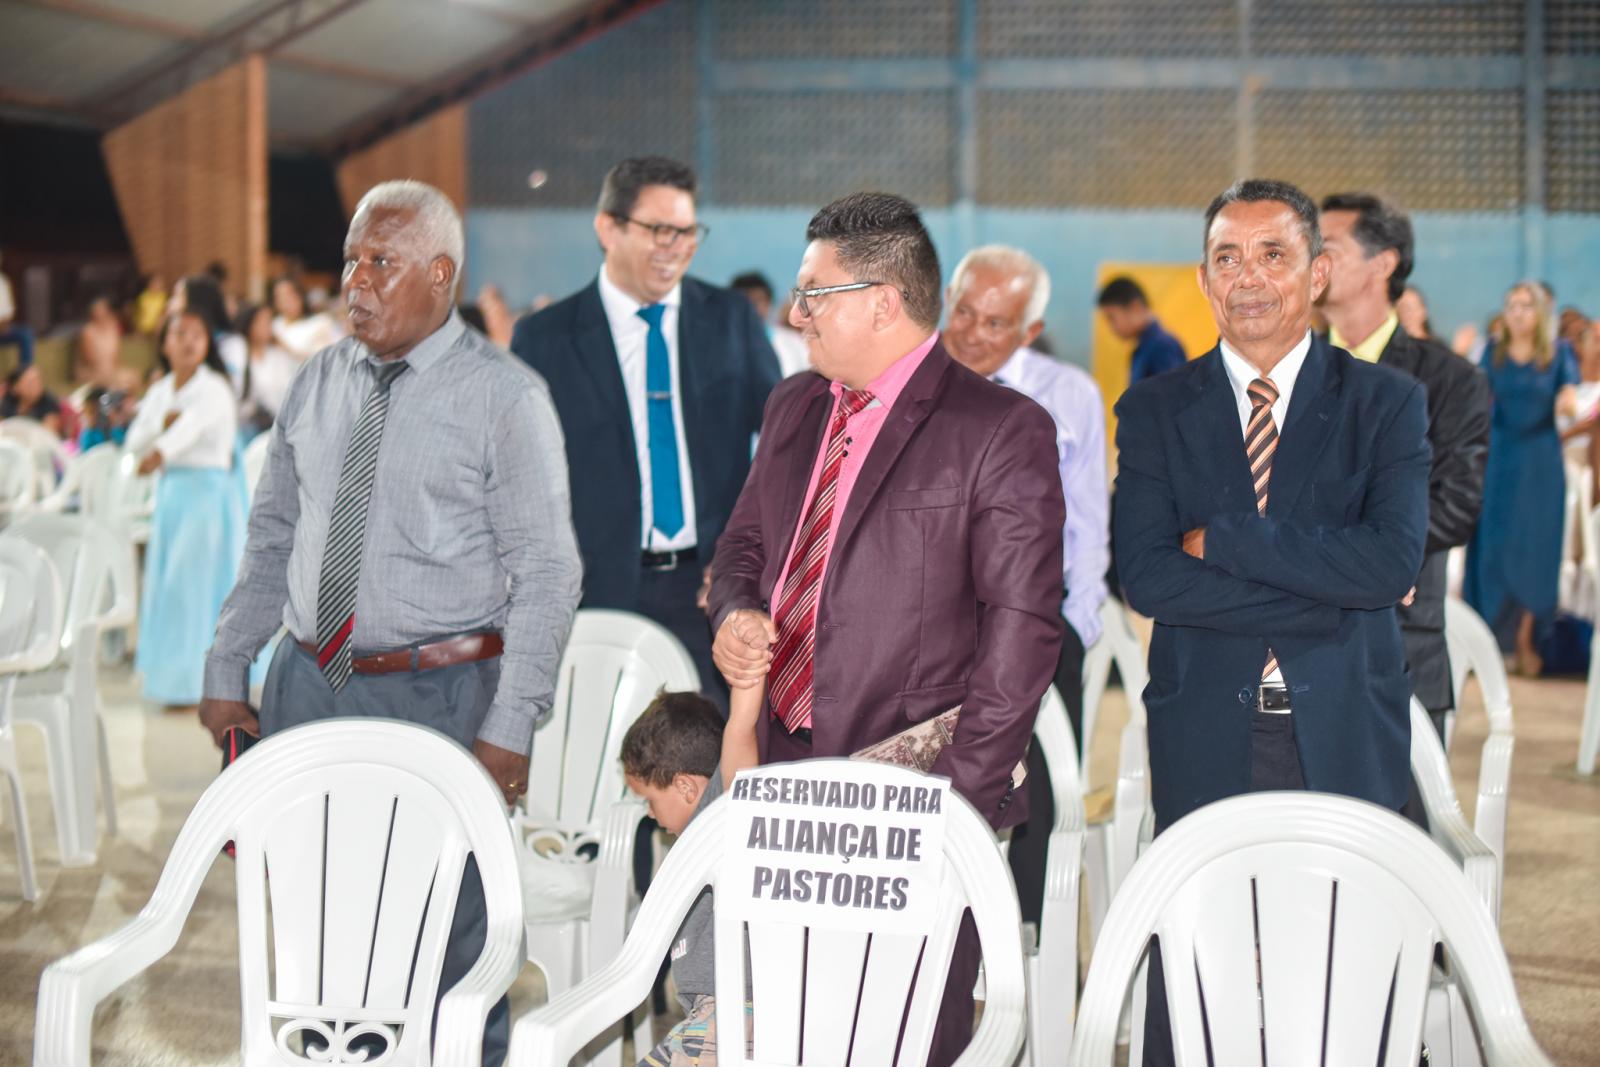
x=1367 y=565
x=1460 y=438
x=741 y=554
x=1016 y=518
x=1159 y=578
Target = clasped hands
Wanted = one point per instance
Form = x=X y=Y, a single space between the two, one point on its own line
x=742 y=650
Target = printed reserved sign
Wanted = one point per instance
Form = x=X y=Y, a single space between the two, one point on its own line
x=849 y=844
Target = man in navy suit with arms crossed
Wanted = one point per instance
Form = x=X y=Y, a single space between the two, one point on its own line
x=1271 y=510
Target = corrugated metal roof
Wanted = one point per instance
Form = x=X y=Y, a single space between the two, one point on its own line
x=334 y=63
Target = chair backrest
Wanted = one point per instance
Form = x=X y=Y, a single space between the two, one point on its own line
x=18 y=479
x=95 y=475
x=255 y=461
x=614 y=664
x=1120 y=645
x=1052 y=732
x=1446 y=823
x=1291 y=924
x=1473 y=650
x=351 y=836
x=30 y=607
x=47 y=451
x=95 y=568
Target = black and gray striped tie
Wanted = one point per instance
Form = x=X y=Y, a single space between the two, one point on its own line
x=341 y=560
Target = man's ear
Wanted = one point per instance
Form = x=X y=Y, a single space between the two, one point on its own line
x=605 y=231
x=1389 y=262
x=887 y=306
x=1321 y=270
x=1033 y=333
x=442 y=273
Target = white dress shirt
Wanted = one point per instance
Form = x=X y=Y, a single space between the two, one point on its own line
x=270 y=374
x=307 y=335
x=203 y=433
x=1240 y=374
x=1073 y=400
x=630 y=335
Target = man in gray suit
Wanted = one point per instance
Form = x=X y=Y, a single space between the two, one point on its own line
x=411 y=529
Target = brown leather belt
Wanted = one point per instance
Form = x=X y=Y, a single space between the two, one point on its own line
x=468 y=648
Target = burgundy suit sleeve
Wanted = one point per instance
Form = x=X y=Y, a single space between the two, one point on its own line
x=741 y=553
x=1017 y=514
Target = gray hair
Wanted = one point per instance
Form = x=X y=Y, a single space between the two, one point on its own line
x=436 y=224
x=1013 y=261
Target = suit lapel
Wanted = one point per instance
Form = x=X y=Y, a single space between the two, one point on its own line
x=597 y=352
x=1209 y=425
x=1306 y=428
x=912 y=406
x=805 y=440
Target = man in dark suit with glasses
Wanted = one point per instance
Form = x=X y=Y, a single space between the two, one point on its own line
x=659 y=380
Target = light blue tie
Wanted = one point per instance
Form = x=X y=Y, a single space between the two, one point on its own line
x=666 y=486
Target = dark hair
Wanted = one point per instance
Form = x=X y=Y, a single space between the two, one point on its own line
x=203 y=296
x=751 y=280
x=620 y=191
x=293 y=283
x=218 y=270
x=246 y=318
x=1121 y=291
x=880 y=237
x=679 y=733
x=1259 y=190
x=1379 y=226
x=213 y=357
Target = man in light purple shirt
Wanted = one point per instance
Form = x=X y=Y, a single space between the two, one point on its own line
x=995 y=309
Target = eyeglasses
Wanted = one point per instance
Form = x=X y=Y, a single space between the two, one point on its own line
x=666 y=236
x=800 y=296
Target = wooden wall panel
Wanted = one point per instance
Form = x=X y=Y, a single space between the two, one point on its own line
x=190 y=177
x=433 y=151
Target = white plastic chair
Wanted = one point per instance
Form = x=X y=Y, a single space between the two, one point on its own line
x=1446 y=823
x=1052 y=966
x=255 y=461
x=96 y=571
x=18 y=481
x=49 y=453
x=578 y=821
x=30 y=625
x=1113 y=845
x=365 y=826
x=1293 y=915
x=1473 y=650
x=85 y=482
x=838 y=993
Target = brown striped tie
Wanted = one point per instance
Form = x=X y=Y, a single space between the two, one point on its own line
x=1260 y=442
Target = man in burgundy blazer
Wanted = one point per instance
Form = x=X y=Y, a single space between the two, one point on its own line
x=941 y=568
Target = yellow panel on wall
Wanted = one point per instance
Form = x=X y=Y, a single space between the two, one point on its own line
x=1175 y=297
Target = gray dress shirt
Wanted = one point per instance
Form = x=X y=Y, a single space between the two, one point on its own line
x=469 y=526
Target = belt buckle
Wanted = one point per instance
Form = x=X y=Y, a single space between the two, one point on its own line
x=665 y=561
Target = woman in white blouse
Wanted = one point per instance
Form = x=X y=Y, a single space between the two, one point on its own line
x=186 y=429
x=302 y=332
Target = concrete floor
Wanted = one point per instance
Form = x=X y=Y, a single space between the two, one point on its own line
x=185 y=1010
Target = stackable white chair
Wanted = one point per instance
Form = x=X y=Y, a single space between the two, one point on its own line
x=255 y=461
x=86 y=482
x=1052 y=962
x=1290 y=925
x=30 y=627
x=821 y=994
x=578 y=821
x=49 y=453
x=1113 y=845
x=18 y=481
x=1473 y=650
x=96 y=573
x=365 y=826
x=1446 y=823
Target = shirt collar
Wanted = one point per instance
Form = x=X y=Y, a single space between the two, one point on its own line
x=886 y=387
x=620 y=307
x=1241 y=372
x=1151 y=329
x=431 y=348
x=1370 y=349
x=1011 y=371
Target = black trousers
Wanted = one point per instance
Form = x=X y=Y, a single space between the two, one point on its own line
x=1030 y=839
x=1274 y=765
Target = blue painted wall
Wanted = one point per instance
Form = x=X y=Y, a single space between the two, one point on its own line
x=1464 y=262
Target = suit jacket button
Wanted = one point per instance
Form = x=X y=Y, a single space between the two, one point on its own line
x=1244 y=696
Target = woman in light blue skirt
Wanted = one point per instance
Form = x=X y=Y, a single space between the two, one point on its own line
x=185 y=428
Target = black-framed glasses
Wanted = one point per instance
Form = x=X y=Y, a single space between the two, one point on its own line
x=800 y=296
x=666 y=236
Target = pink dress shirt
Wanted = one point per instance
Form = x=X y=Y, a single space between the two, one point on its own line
x=860 y=432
